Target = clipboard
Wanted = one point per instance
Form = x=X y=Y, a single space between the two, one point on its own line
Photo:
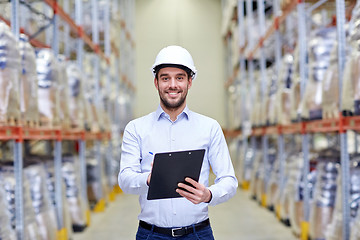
x=171 y=168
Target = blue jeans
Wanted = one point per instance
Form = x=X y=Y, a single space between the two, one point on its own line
x=203 y=234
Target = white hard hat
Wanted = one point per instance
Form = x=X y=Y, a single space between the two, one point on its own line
x=175 y=55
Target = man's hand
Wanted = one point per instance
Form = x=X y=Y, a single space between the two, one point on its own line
x=197 y=194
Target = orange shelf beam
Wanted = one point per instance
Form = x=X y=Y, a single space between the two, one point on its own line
x=9 y=133
x=26 y=133
x=40 y=133
x=315 y=126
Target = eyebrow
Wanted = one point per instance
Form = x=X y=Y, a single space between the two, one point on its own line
x=166 y=74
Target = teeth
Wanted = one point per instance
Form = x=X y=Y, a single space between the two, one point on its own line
x=172 y=93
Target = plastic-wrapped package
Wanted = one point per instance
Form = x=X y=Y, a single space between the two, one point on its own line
x=274 y=192
x=295 y=98
x=97 y=188
x=282 y=206
x=104 y=118
x=355 y=226
x=258 y=110
x=31 y=227
x=351 y=85
x=28 y=84
x=93 y=117
x=246 y=158
x=48 y=81
x=355 y=229
x=50 y=185
x=254 y=182
x=112 y=166
x=330 y=89
x=351 y=89
x=296 y=188
x=272 y=187
x=92 y=111
x=283 y=97
x=265 y=172
x=351 y=77
x=282 y=196
x=234 y=149
x=334 y=229
x=354 y=28
x=325 y=192
x=6 y=231
x=44 y=210
x=77 y=204
x=320 y=46
x=288 y=32
x=255 y=36
x=124 y=109
x=63 y=91
x=235 y=106
x=271 y=116
x=10 y=69
x=76 y=96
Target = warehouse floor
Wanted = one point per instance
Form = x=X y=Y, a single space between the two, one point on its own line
x=240 y=218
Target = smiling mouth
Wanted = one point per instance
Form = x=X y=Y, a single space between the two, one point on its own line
x=173 y=93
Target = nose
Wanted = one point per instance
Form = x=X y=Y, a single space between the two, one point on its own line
x=172 y=83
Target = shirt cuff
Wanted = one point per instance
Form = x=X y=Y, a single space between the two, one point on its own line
x=216 y=195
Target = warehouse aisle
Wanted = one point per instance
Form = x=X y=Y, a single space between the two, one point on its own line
x=240 y=218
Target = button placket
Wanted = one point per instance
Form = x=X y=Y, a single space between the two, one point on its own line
x=172 y=136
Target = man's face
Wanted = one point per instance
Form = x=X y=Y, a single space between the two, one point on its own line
x=172 y=84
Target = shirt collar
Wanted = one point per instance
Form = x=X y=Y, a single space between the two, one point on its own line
x=159 y=112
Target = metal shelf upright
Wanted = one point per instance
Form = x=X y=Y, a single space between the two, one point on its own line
x=17 y=144
x=345 y=165
x=263 y=80
x=251 y=78
x=280 y=139
x=305 y=135
x=81 y=140
x=100 y=205
x=61 y=231
x=243 y=83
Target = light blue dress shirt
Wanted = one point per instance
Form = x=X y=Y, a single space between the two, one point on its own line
x=156 y=133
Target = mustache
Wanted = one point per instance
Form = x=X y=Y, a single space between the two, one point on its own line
x=174 y=89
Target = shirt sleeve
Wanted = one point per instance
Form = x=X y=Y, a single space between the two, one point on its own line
x=225 y=184
x=131 y=178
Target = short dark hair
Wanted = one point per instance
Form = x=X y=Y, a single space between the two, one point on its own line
x=186 y=69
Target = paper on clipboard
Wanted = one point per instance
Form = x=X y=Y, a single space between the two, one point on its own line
x=171 y=168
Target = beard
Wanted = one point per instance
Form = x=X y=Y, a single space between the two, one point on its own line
x=172 y=105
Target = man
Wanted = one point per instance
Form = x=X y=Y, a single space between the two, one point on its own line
x=173 y=127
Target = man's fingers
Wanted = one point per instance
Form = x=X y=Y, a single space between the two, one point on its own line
x=189 y=196
x=187 y=187
x=196 y=193
x=192 y=182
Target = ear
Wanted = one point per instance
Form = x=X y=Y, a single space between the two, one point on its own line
x=156 y=83
x=189 y=82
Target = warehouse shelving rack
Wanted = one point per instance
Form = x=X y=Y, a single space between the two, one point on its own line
x=339 y=125
x=18 y=134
